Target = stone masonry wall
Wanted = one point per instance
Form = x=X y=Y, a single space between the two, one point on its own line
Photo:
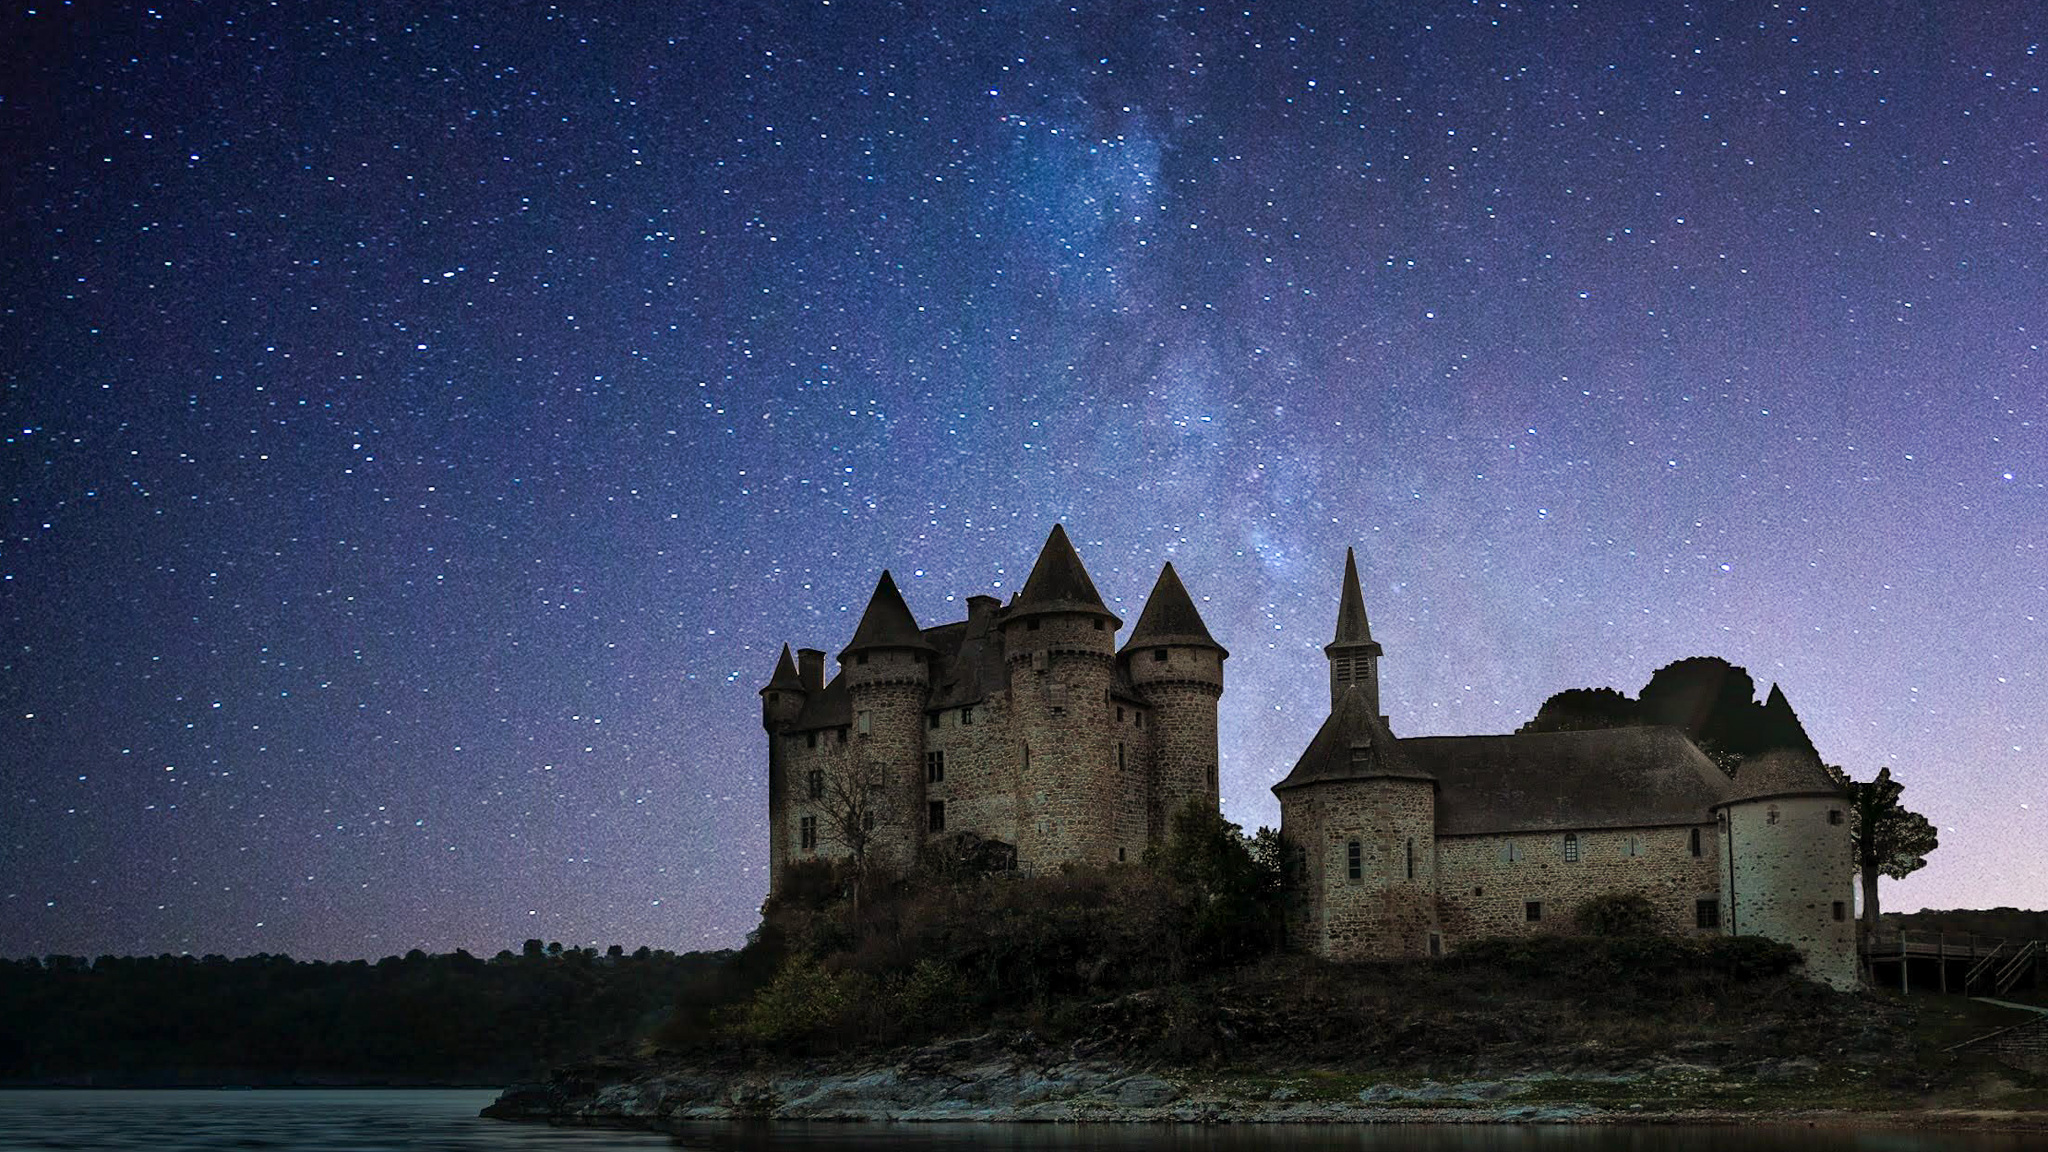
x=1130 y=726
x=1387 y=911
x=1793 y=875
x=1486 y=882
x=980 y=788
x=1183 y=690
x=1060 y=674
x=824 y=750
x=889 y=690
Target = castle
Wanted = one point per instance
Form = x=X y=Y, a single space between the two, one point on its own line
x=1023 y=724
x=1026 y=726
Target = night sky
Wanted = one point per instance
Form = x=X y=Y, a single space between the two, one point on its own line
x=424 y=423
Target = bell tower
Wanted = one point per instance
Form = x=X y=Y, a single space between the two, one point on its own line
x=1354 y=654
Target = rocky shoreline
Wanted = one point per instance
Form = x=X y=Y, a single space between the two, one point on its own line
x=988 y=1080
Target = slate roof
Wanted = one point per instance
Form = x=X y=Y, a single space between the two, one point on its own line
x=1353 y=629
x=1560 y=781
x=1354 y=744
x=1059 y=583
x=887 y=623
x=1170 y=617
x=830 y=708
x=785 y=678
x=1782 y=772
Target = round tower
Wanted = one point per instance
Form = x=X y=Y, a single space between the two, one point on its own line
x=1788 y=871
x=875 y=801
x=1060 y=646
x=782 y=701
x=1177 y=667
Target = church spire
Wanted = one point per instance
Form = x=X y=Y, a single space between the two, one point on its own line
x=1354 y=654
x=1352 y=626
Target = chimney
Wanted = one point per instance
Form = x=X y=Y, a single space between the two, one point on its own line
x=981 y=610
x=810 y=668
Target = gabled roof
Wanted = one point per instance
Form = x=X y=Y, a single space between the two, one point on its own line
x=1170 y=617
x=1354 y=744
x=1058 y=582
x=1352 y=626
x=1561 y=781
x=887 y=623
x=1782 y=772
x=785 y=678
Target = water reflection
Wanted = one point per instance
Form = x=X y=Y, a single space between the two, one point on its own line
x=444 y=1121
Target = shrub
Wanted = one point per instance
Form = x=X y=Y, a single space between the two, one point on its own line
x=1618 y=914
x=800 y=1006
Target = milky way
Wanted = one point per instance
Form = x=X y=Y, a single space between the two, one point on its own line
x=425 y=423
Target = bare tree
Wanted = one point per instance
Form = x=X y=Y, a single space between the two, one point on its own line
x=854 y=814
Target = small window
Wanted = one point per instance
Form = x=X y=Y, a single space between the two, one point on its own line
x=860 y=657
x=842 y=733
x=1159 y=655
x=967 y=715
x=1841 y=910
x=867 y=821
x=1119 y=855
x=934 y=719
x=1771 y=814
x=1478 y=891
x=1027 y=757
x=1532 y=910
x=1031 y=625
x=1571 y=847
x=817 y=783
x=1635 y=846
x=1119 y=757
x=935 y=767
x=807 y=832
x=865 y=721
x=1695 y=841
x=1140 y=717
x=1510 y=851
x=1834 y=815
x=1354 y=860
x=1411 y=857
x=1098 y=625
x=810 y=739
x=1119 y=713
x=1056 y=698
x=1706 y=913
x=935 y=816
x=1436 y=944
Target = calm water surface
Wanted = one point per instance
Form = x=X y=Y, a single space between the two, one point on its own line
x=442 y=1121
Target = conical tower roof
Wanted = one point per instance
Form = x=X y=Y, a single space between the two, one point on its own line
x=1781 y=726
x=1352 y=626
x=1170 y=617
x=887 y=623
x=1353 y=744
x=785 y=678
x=1059 y=583
x=1781 y=772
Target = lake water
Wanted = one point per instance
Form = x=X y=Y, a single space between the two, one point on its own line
x=351 y=1120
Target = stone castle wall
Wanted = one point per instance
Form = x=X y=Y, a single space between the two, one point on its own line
x=1793 y=879
x=1061 y=667
x=1487 y=882
x=1387 y=911
x=1183 y=689
x=980 y=785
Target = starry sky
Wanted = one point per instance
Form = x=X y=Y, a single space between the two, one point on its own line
x=424 y=423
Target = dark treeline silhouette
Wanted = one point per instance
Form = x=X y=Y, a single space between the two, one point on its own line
x=268 y=1020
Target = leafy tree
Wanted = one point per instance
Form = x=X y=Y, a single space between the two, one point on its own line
x=1888 y=837
x=1239 y=882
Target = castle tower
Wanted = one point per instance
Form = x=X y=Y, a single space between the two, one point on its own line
x=1363 y=815
x=1354 y=654
x=887 y=666
x=1788 y=869
x=782 y=700
x=1178 y=667
x=1060 y=648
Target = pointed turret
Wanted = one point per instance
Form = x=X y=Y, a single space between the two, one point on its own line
x=1352 y=625
x=887 y=623
x=782 y=698
x=1354 y=654
x=1781 y=726
x=1170 y=617
x=1059 y=583
x=785 y=678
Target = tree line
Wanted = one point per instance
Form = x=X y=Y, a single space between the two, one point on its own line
x=452 y=1018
